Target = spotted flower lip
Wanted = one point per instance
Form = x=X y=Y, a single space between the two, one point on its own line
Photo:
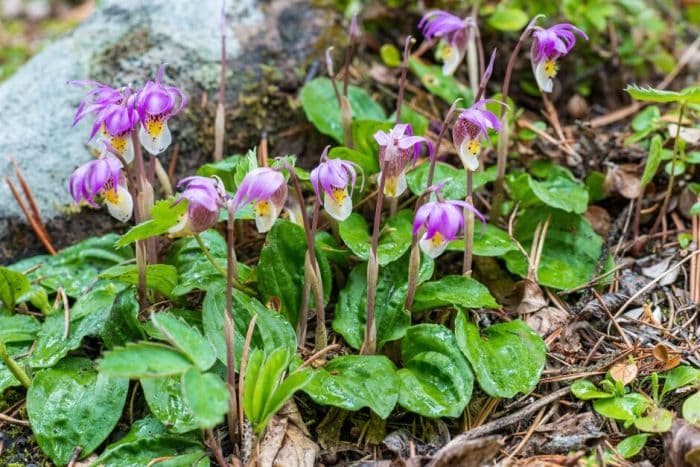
x=204 y=196
x=333 y=177
x=266 y=189
x=115 y=115
x=443 y=221
x=471 y=128
x=101 y=180
x=454 y=30
x=548 y=46
x=155 y=104
x=396 y=149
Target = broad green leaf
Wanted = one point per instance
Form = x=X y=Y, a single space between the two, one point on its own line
x=12 y=286
x=18 y=328
x=646 y=118
x=159 y=277
x=586 y=390
x=368 y=162
x=87 y=318
x=75 y=268
x=632 y=445
x=224 y=169
x=394 y=237
x=488 y=241
x=391 y=56
x=123 y=324
x=166 y=400
x=73 y=405
x=658 y=420
x=508 y=19
x=436 y=380
x=147 y=440
x=680 y=376
x=144 y=360
x=509 y=358
x=691 y=409
x=186 y=339
x=653 y=160
x=363 y=138
x=164 y=215
x=322 y=109
x=457 y=291
x=455 y=179
x=281 y=267
x=445 y=87
x=689 y=95
x=419 y=123
x=352 y=382
x=595 y=184
x=571 y=248
x=272 y=330
x=561 y=193
x=207 y=397
x=627 y=407
x=391 y=318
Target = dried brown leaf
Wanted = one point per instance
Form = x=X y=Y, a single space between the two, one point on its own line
x=682 y=445
x=468 y=453
x=624 y=372
x=599 y=219
x=624 y=179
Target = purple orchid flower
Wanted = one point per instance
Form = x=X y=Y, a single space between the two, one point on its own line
x=155 y=104
x=204 y=196
x=333 y=177
x=115 y=115
x=443 y=221
x=453 y=30
x=396 y=149
x=471 y=128
x=267 y=189
x=548 y=46
x=102 y=178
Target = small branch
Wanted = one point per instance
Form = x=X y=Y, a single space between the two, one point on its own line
x=318 y=355
x=13 y=421
x=215 y=446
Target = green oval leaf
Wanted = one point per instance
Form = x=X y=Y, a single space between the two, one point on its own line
x=73 y=405
x=436 y=380
x=352 y=382
x=571 y=248
x=586 y=390
x=281 y=267
x=148 y=439
x=690 y=95
x=509 y=358
x=680 y=376
x=164 y=215
x=627 y=407
x=691 y=409
x=272 y=330
x=391 y=318
x=489 y=241
x=658 y=420
x=18 y=328
x=508 y=19
x=186 y=339
x=363 y=137
x=144 y=360
x=322 y=109
x=445 y=87
x=561 y=193
x=12 y=286
x=159 y=277
x=458 y=291
x=206 y=396
x=653 y=160
x=394 y=238
x=455 y=186
x=166 y=401
x=632 y=445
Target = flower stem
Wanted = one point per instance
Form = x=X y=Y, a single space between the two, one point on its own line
x=443 y=130
x=321 y=337
x=140 y=215
x=13 y=366
x=208 y=254
x=220 y=118
x=229 y=334
x=468 y=227
x=369 y=345
x=402 y=81
x=502 y=159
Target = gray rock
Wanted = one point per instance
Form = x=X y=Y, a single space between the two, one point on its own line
x=269 y=45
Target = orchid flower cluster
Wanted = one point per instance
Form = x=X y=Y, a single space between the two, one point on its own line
x=118 y=114
x=548 y=45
